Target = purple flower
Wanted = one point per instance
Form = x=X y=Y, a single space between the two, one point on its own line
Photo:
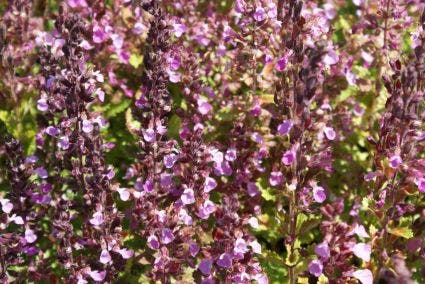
x=252 y=189
x=41 y=172
x=240 y=247
x=169 y=160
x=153 y=242
x=206 y=209
x=117 y=41
x=6 y=205
x=77 y=3
x=16 y=219
x=370 y=176
x=97 y=219
x=260 y=14
x=179 y=29
x=331 y=57
x=256 y=137
x=52 y=131
x=188 y=196
x=204 y=107
x=205 y=266
x=193 y=249
x=149 y=135
x=105 y=257
x=230 y=154
x=281 y=63
x=365 y=276
x=276 y=178
x=166 y=180
x=285 y=127
x=209 y=184
x=97 y=276
x=224 y=260
x=184 y=217
x=315 y=267
x=319 y=194
x=362 y=250
x=87 y=126
x=167 y=236
x=63 y=142
x=288 y=157
x=124 y=194
x=330 y=133
x=148 y=186
x=42 y=105
x=126 y=253
x=31 y=250
x=31 y=159
x=360 y=231
x=323 y=250
x=30 y=237
x=395 y=161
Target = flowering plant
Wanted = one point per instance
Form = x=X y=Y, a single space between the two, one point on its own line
x=190 y=141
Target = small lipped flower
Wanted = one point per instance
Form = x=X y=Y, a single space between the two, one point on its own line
x=169 y=160
x=225 y=260
x=288 y=157
x=149 y=135
x=323 y=250
x=395 y=161
x=315 y=267
x=97 y=276
x=276 y=178
x=285 y=127
x=41 y=172
x=63 y=142
x=105 y=257
x=52 y=131
x=252 y=189
x=188 y=196
x=87 y=126
x=42 y=105
x=362 y=250
x=6 y=205
x=329 y=133
x=97 y=219
x=421 y=184
x=319 y=194
x=209 y=184
x=365 y=276
x=167 y=236
x=153 y=242
x=205 y=266
x=30 y=236
x=230 y=155
x=260 y=14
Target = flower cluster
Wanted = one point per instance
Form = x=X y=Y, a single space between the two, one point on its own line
x=266 y=141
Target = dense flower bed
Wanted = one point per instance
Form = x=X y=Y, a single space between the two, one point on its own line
x=196 y=141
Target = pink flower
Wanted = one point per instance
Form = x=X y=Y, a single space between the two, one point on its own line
x=330 y=133
x=362 y=250
x=365 y=276
x=99 y=35
x=179 y=29
x=204 y=107
x=209 y=184
x=30 y=237
x=331 y=58
x=105 y=257
x=77 y=3
x=421 y=184
x=97 y=219
x=97 y=276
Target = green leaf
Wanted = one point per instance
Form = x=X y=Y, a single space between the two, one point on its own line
x=403 y=232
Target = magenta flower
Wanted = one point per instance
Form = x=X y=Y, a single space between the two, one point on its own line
x=288 y=157
x=421 y=184
x=204 y=107
x=99 y=35
x=315 y=267
x=179 y=29
x=193 y=249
